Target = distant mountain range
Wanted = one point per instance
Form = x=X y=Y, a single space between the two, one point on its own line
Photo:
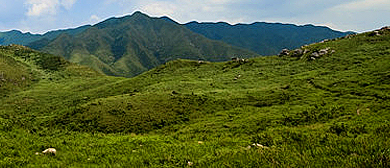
x=17 y=37
x=265 y=38
x=130 y=45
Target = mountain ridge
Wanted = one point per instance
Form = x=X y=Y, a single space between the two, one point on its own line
x=132 y=44
x=265 y=38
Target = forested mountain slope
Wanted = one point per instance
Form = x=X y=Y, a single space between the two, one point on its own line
x=265 y=38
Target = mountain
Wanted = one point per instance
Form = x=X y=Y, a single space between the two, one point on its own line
x=17 y=37
x=130 y=45
x=265 y=38
x=328 y=105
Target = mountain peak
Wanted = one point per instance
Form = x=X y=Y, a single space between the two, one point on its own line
x=166 y=18
x=139 y=14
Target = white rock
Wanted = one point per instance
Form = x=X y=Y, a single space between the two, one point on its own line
x=51 y=151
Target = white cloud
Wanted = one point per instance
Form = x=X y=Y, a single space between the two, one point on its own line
x=47 y=7
x=159 y=8
x=94 y=19
x=362 y=15
x=188 y=10
x=41 y=7
x=365 y=5
x=67 y=4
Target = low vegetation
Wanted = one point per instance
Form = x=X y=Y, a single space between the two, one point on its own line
x=285 y=111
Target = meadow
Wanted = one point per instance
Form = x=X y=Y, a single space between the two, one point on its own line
x=276 y=111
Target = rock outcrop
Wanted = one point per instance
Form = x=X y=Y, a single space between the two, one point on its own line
x=304 y=52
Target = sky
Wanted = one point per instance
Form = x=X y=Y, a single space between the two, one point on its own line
x=40 y=16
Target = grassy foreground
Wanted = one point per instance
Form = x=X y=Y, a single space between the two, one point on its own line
x=332 y=111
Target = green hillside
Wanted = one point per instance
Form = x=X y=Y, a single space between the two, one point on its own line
x=133 y=44
x=265 y=38
x=314 y=109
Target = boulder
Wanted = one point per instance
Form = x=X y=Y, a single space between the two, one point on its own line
x=315 y=54
x=297 y=53
x=50 y=151
x=284 y=52
x=323 y=52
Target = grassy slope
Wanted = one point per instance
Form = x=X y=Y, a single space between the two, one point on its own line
x=305 y=112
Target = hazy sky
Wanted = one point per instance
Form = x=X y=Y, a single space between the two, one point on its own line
x=39 y=16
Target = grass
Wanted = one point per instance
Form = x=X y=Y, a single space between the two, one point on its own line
x=328 y=112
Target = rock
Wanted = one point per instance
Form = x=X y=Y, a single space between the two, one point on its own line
x=284 y=52
x=240 y=60
x=323 y=52
x=320 y=53
x=297 y=53
x=50 y=151
x=259 y=145
x=315 y=54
